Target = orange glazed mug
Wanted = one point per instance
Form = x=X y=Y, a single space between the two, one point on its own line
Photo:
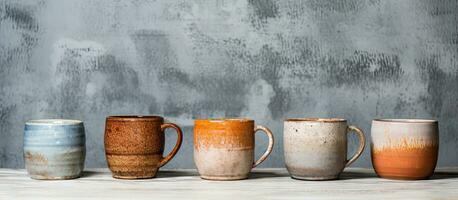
x=224 y=148
x=404 y=148
x=134 y=145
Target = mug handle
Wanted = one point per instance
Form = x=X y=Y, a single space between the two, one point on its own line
x=175 y=149
x=270 y=146
x=362 y=144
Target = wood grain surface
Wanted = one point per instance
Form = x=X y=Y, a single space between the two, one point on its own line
x=355 y=183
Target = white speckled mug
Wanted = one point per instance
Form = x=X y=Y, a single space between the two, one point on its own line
x=316 y=149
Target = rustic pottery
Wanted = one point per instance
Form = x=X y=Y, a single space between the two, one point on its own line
x=224 y=148
x=134 y=145
x=54 y=149
x=316 y=149
x=404 y=148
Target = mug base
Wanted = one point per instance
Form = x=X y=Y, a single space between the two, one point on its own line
x=223 y=178
x=315 y=178
x=42 y=177
x=132 y=174
x=133 y=177
x=405 y=178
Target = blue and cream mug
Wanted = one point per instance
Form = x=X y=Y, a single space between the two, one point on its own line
x=54 y=148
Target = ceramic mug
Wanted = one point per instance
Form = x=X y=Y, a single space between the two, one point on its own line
x=54 y=149
x=404 y=148
x=316 y=149
x=224 y=148
x=134 y=145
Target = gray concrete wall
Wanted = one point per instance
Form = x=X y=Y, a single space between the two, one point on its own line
x=263 y=59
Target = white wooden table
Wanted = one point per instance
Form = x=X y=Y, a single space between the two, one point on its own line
x=263 y=184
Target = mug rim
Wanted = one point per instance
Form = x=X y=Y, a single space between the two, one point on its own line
x=407 y=121
x=48 y=122
x=316 y=119
x=135 y=118
x=224 y=119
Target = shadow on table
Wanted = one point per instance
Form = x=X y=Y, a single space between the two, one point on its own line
x=87 y=174
x=169 y=174
x=359 y=175
x=160 y=174
x=259 y=175
x=444 y=175
x=343 y=176
x=253 y=175
x=356 y=175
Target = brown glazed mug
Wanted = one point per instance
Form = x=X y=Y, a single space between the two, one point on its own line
x=134 y=145
x=224 y=148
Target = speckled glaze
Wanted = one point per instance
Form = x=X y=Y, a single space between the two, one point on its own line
x=54 y=148
x=224 y=148
x=316 y=149
x=134 y=145
x=404 y=148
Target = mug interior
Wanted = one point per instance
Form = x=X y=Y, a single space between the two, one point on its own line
x=217 y=120
x=135 y=118
x=53 y=122
x=406 y=120
x=323 y=120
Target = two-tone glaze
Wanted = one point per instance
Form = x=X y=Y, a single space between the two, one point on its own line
x=224 y=148
x=54 y=148
x=404 y=148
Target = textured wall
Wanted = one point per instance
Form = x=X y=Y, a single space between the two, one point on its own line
x=263 y=59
